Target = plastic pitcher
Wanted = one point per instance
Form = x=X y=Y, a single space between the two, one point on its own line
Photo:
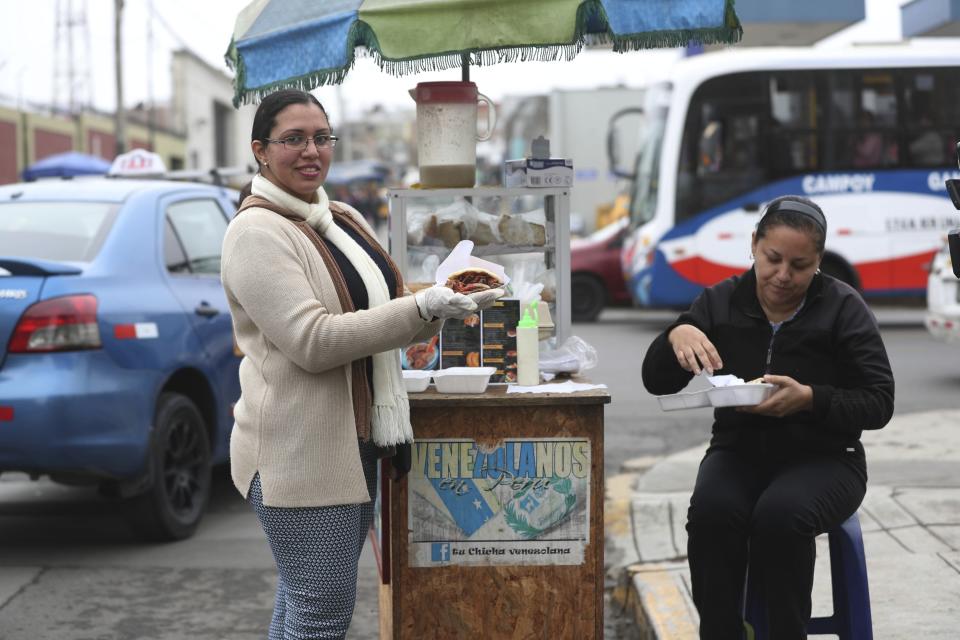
x=447 y=132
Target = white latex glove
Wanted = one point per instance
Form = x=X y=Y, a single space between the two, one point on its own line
x=440 y=302
x=485 y=299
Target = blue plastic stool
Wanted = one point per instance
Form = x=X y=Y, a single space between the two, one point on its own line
x=851 y=618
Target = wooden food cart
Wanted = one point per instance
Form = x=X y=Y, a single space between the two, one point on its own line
x=497 y=531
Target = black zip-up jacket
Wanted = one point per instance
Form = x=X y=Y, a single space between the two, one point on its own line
x=832 y=344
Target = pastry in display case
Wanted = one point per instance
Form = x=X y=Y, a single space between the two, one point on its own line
x=525 y=230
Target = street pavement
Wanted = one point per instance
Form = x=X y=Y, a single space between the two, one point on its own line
x=911 y=531
x=69 y=569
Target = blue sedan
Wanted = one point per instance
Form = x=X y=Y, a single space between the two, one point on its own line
x=117 y=361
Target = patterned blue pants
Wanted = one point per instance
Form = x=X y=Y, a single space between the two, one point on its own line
x=316 y=550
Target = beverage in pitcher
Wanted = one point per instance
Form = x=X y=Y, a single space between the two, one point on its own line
x=447 y=132
x=448 y=175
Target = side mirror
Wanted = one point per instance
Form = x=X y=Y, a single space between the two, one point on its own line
x=953 y=238
x=752 y=207
x=625 y=125
x=953 y=188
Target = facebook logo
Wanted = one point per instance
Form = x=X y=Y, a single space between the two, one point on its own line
x=440 y=551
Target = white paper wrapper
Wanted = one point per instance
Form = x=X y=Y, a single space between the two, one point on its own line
x=725 y=380
x=460 y=258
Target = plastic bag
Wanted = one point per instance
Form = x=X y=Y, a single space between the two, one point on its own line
x=573 y=356
x=460 y=220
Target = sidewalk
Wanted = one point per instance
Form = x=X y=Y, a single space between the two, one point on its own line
x=911 y=530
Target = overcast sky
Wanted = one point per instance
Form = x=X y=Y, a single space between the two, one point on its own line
x=27 y=55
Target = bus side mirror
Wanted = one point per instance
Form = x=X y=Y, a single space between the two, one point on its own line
x=624 y=127
x=953 y=188
x=751 y=207
x=953 y=238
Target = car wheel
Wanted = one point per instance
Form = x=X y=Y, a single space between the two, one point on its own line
x=587 y=297
x=179 y=469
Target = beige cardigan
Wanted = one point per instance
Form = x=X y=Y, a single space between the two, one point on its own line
x=294 y=422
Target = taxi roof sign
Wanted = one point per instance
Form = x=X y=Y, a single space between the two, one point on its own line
x=137 y=163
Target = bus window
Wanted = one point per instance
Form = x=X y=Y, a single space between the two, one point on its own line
x=720 y=154
x=793 y=119
x=862 y=116
x=930 y=117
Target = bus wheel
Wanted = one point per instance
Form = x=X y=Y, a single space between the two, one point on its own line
x=839 y=268
x=587 y=297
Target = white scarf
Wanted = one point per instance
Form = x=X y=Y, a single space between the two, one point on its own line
x=391 y=410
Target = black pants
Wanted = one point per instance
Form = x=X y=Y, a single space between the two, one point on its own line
x=764 y=511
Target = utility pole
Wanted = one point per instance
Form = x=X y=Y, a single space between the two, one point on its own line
x=120 y=116
x=346 y=137
x=151 y=107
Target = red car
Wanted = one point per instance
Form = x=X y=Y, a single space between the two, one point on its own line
x=596 y=279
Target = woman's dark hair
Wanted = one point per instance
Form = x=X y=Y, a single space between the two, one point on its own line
x=796 y=212
x=266 y=117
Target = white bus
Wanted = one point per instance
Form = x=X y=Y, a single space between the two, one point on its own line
x=868 y=133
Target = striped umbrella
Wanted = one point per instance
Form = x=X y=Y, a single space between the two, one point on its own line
x=308 y=43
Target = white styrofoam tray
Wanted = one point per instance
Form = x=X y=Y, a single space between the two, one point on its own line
x=740 y=395
x=684 y=400
x=415 y=380
x=736 y=395
x=463 y=379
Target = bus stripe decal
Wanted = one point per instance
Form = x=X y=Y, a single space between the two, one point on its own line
x=898 y=273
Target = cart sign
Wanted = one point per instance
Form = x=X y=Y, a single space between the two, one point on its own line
x=519 y=502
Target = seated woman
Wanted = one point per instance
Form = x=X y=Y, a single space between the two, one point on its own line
x=780 y=473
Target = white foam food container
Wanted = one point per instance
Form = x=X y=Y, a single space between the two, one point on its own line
x=740 y=395
x=684 y=400
x=463 y=379
x=415 y=380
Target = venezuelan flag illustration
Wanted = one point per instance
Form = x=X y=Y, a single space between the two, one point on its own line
x=470 y=504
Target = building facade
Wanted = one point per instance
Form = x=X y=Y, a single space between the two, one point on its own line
x=31 y=134
x=217 y=135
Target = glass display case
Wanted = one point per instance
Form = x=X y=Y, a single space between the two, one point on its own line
x=527 y=230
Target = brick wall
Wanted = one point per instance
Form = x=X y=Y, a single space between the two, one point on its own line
x=8 y=152
x=103 y=145
x=48 y=143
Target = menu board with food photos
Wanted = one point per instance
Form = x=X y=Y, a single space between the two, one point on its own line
x=486 y=338
x=500 y=339
x=460 y=342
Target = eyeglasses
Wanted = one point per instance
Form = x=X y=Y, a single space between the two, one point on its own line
x=300 y=143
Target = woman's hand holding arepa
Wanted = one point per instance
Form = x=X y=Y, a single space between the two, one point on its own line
x=485 y=299
x=694 y=350
x=439 y=302
x=791 y=397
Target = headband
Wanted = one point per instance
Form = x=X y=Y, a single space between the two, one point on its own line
x=802 y=208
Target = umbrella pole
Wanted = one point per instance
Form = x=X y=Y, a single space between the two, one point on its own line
x=465 y=67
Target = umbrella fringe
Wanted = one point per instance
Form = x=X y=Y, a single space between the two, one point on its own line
x=362 y=35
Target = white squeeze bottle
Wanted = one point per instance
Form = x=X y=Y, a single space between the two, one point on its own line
x=528 y=348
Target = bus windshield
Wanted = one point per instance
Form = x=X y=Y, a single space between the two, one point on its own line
x=643 y=201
